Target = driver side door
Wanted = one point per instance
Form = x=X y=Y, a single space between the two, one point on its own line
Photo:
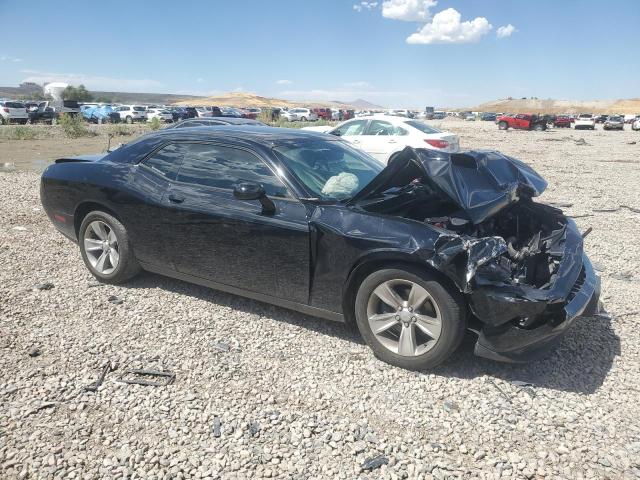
x=352 y=132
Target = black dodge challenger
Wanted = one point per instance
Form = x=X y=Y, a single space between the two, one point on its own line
x=414 y=253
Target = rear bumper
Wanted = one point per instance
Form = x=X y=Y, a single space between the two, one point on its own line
x=511 y=343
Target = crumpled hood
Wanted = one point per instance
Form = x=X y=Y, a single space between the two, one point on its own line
x=480 y=182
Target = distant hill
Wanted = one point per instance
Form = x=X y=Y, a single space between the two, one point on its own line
x=246 y=99
x=628 y=106
x=361 y=104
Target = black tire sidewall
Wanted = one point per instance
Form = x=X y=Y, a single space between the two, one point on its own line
x=127 y=264
x=450 y=304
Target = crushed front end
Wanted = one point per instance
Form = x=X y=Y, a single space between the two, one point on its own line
x=525 y=275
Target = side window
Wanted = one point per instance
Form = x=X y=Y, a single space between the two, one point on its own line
x=165 y=160
x=378 y=127
x=224 y=167
x=351 y=128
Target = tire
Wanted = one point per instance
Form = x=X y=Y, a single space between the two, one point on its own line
x=503 y=125
x=126 y=265
x=538 y=128
x=303 y=119
x=129 y=120
x=445 y=303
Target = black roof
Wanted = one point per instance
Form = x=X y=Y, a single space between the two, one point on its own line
x=245 y=132
x=225 y=120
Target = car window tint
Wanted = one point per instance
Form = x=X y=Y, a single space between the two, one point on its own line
x=224 y=167
x=165 y=159
x=351 y=128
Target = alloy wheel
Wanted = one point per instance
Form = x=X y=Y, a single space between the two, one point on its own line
x=404 y=317
x=101 y=247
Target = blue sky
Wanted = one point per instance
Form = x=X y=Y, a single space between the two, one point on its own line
x=402 y=53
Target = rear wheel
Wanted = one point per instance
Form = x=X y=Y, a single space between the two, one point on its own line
x=538 y=128
x=105 y=248
x=503 y=125
x=303 y=119
x=409 y=318
x=129 y=120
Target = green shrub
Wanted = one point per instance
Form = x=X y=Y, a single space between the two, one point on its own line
x=155 y=124
x=120 y=130
x=74 y=126
x=19 y=132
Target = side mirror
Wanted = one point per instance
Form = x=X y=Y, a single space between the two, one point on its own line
x=335 y=132
x=254 y=191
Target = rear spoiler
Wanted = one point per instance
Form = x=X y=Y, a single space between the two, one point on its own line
x=82 y=158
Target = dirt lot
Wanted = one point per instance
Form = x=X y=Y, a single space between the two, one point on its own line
x=296 y=397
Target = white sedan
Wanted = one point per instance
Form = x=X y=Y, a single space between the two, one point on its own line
x=383 y=136
x=162 y=115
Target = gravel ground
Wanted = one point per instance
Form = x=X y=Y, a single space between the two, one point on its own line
x=261 y=392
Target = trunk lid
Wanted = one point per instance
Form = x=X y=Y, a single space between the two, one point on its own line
x=480 y=182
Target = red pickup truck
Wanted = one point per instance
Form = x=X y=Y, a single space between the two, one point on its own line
x=522 y=121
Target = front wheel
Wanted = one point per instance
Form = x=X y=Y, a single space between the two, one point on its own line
x=303 y=119
x=503 y=125
x=538 y=128
x=409 y=318
x=129 y=120
x=106 y=249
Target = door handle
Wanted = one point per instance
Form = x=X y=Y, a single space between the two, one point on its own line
x=392 y=141
x=175 y=198
x=355 y=141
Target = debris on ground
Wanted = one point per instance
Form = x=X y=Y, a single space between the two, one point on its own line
x=581 y=141
x=93 y=387
x=375 y=462
x=222 y=346
x=43 y=286
x=115 y=300
x=450 y=406
x=34 y=352
x=254 y=428
x=141 y=377
x=216 y=426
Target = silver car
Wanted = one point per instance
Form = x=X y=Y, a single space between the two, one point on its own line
x=614 y=122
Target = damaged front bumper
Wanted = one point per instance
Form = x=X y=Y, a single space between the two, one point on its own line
x=548 y=312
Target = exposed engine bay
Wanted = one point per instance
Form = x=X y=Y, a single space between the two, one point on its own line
x=521 y=244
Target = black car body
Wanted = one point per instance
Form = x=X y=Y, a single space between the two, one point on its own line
x=467 y=218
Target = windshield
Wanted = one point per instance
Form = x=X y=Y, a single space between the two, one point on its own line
x=615 y=119
x=423 y=127
x=586 y=115
x=138 y=109
x=330 y=170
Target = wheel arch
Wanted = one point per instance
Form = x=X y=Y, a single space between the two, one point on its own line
x=84 y=208
x=374 y=261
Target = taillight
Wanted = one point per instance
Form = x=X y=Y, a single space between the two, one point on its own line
x=6 y=109
x=437 y=143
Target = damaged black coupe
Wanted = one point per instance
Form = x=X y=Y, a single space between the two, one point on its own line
x=414 y=253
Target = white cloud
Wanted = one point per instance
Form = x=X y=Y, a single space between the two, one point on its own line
x=200 y=80
x=358 y=84
x=284 y=82
x=358 y=7
x=505 y=31
x=408 y=10
x=447 y=28
x=93 y=82
x=7 y=58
